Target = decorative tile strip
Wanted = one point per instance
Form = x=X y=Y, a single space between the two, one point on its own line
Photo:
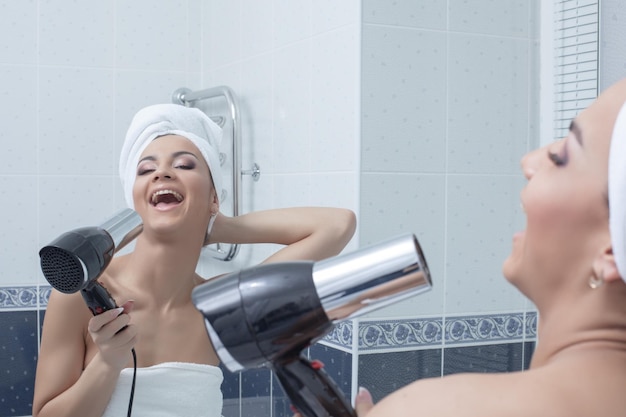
x=531 y=325
x=340 y=335
x=484 y=328
x=416 y=333
x=423 y=333
x=19 y=297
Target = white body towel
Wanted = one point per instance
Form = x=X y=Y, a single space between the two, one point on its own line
x=171 y=389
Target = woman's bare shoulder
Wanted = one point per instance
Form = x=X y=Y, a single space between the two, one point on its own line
x=513 y=394
x=66 y=311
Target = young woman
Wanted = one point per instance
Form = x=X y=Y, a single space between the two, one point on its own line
x=170 y=171
x=571 y=262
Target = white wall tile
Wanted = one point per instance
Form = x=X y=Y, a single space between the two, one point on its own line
x=153 y=35
x=491 y=17
x=292 y=190
x=256 y=101
x=404 y=100
x=19 y=229
x=394 y=204
x=328 y=15
x=68 y=202
x=18 y=29
x=488 y=108
x=425 y=14
x=335 y=189
x=76 y=121
x=258 y=31
x=72 y=32
x=194 y=36
x=18 y=88
x=292 y=108
x=483 y=213
x=221 y=33
x=335 y=60
x=292 y=21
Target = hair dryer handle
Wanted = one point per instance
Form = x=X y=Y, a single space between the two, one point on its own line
x=98 y=298
x=311 y=390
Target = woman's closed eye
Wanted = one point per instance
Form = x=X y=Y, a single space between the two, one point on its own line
x=145 y=168
x=185 y=166
x=559 y=158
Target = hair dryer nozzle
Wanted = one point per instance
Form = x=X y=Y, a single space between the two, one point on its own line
x=356 y=283
x=77 y=257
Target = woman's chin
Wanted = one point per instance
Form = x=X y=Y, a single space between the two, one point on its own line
x=510 y=266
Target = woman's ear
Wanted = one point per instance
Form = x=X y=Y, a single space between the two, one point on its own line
x=605 y=266
x=214 y=204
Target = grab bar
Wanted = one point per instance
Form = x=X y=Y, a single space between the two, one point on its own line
x=187 y=97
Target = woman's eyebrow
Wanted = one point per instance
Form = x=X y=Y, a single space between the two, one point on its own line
x=179 y=153
x=575 y=129
x=146 y=158
x=174 y=155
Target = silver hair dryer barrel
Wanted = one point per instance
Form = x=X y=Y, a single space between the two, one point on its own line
x=356 y=283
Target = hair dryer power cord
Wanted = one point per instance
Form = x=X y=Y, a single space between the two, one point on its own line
x=132 y=387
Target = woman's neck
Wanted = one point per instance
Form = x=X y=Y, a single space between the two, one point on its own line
x=164 y=269
x=594 y=322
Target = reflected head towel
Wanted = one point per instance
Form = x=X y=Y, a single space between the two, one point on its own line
x=617 y=191
x=169 y=119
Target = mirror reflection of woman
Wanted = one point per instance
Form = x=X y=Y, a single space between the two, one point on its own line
x=571 y=262
x=170 y=172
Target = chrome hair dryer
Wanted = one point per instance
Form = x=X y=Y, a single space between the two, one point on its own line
x=75 y=260
x=267 y=315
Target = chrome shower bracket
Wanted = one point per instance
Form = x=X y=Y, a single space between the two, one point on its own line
x=187 y=97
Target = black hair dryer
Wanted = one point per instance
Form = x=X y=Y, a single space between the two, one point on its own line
x=75 y=260
x=268 y=314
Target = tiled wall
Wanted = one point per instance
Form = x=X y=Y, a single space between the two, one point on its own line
x=612 y=46
x=71 y=77
x=449 y=106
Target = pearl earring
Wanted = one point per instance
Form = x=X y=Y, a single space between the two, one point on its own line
x=596 y=281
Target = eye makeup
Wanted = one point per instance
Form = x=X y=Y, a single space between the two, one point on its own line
x=559 y=158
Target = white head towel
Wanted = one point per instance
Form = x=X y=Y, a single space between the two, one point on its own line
x=169 y=119
x=617 y=191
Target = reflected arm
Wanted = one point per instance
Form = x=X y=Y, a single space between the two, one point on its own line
x=308 y=233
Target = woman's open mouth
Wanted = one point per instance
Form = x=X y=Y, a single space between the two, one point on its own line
x=166 y=198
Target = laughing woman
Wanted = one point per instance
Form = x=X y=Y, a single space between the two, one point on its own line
x=571 y=262
x=169 y=168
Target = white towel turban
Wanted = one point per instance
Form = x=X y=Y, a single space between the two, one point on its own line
x=617 y=191
x=169 y=119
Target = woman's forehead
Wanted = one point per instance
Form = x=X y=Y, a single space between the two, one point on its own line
x=170 y=143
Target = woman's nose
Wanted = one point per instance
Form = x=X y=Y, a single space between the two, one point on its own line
x=162 y=173
x=531 y=162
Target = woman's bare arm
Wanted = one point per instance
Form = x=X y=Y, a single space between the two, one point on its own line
x=62 y=386
x=309 y=233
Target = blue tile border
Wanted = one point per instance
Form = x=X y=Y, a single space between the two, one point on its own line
x=490 y=328
x=373 y=335
x=418 y=332
x=24 y=297
x=423 y=333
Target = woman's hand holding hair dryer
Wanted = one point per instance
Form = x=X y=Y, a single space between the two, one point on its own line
x=114 y=335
